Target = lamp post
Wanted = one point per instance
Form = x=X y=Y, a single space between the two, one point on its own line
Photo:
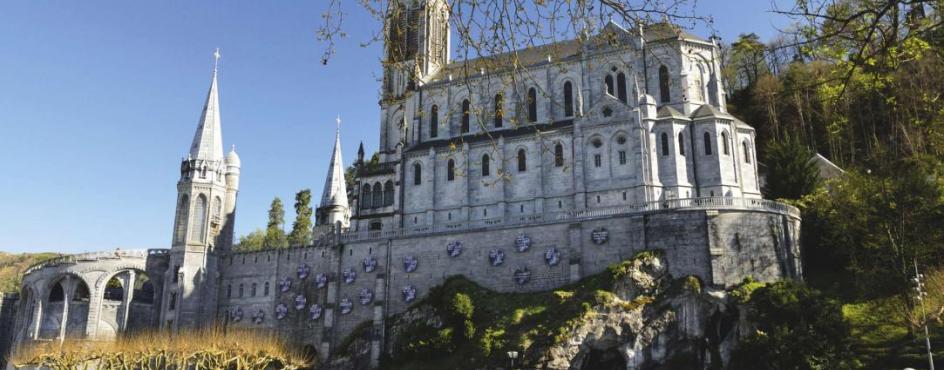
x=514 y=354
x=919 y=289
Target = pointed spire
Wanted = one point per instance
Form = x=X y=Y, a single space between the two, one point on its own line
x=208 y=140
x=335 y=190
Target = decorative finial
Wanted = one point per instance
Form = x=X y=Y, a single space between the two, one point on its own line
x=216 y=59
x=233 y=149
x=339 y=121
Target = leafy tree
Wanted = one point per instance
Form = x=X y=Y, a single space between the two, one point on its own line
x=275 y=235
x=790 y=171
x=797 y=328
x=301 y=228
x=253 y=241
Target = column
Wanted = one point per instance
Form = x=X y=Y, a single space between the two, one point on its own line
x=68 y=291
x=129 y=281
x=37 y=317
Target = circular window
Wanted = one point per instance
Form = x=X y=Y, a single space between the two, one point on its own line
x=621 y=140
x=596 y=142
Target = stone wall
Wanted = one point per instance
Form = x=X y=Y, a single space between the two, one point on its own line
x=721 y=246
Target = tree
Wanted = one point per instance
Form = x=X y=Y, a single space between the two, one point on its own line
x=301 y=228
x=275 y=235
x=797 y=328
x=253 y=241
x=791 y=173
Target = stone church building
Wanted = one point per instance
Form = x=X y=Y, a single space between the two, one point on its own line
x=522 y=179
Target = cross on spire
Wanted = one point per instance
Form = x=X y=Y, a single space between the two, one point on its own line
x=216 y=58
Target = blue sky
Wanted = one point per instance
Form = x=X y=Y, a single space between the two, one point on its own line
x=99 y=101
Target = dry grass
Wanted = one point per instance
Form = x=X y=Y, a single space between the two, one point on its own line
x=198 y=349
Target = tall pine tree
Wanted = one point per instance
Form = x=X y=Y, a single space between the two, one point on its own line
x=301 y=229
x=275 y=235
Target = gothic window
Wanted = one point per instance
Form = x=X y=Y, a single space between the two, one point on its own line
x=558 y=155
x=499 y=110
x=388 y=193
x=265 y=289
x=229 y=291
x=707 y=139
x=377 y=200
x=665 y=144
x=747 y=151
x=699 y=84
x=466 y=115
x=724 y=142
x=681 y=144
x=609 y=85
x=568 y=99
x=622 y=157
x=182 y=208
x=240 y=290
x=450 y=170
x=621 y=86
x=199 y=219
x=365 y=198
x=522 y=161
x=532 y=105
x=434 y=121
x=375 y=225
x=485 y=165
x=597 y=160
x=664 y=94
x=417 y=174
x=252 y=291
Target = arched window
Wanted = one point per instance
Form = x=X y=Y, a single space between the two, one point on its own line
x=681 y=143
x=532 y=105
x=365 y=197
x=724 y=143
x=522 y=161
x=621 y=87
x=198 y=229
x=240 y=290
x=499 y=110
x=699 y=84
x=265 y=289
x=568 y=99
x=747 y=151
x=417 y=174
x=182 y=212
x=252 y=291
x=388 y=193
x=485 y=165
x=450 y=170
x=229 y=291
x=707 y=140
x=609 y=85
x=434 y=121
x=378 y=195
x=558 y=155
x=665 y=144
x=466 y=114
x=664 y=84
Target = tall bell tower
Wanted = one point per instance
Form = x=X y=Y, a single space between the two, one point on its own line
x=203 y=225
x=416 y=41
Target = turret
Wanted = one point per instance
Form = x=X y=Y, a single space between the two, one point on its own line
x=203 y=226
x=334 y=206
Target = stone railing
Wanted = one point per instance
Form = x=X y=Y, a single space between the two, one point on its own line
x=726 y=203
x=71 y=259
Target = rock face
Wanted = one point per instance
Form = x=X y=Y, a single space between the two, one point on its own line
x=642 y=318
x=653 y=322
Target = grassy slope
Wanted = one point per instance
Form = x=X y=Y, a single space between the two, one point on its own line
x=13 y=265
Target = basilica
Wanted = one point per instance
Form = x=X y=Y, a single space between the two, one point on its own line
x=523 y=171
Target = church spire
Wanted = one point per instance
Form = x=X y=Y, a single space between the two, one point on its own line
x=208 y=140
x=335 y=191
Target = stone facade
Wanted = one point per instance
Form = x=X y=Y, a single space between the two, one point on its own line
x=585 y=169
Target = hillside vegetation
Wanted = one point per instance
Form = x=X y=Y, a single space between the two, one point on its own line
x=13 y=265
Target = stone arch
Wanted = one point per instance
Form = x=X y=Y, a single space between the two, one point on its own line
x=66 y=307
x=126 y=302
